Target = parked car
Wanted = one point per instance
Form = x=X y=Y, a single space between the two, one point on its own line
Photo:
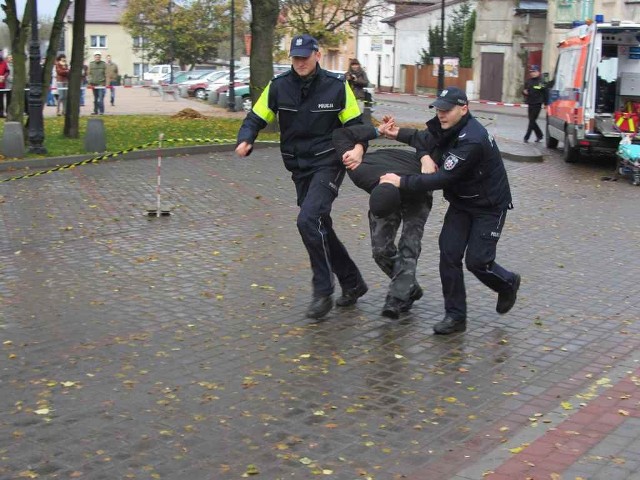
x=183 y=76
x=242 y=85
x=242 y=90
x=156 y=72
x=197 y=88
x=239 y=75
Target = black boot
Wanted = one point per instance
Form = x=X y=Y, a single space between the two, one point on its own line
x=449 y=325
x=350 y=296
x=319 y=307
x=415 y=294
x=506 y=300
x=391 y=308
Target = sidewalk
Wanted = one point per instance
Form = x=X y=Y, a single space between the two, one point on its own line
x=177 y=347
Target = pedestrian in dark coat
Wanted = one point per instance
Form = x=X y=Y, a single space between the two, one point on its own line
x=535 y=95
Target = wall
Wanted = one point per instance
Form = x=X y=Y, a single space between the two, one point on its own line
x=119 y=46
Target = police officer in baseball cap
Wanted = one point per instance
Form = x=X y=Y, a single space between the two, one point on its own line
x=474 y=181
x=310 y=103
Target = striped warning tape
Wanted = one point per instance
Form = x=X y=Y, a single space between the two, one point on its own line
x=145 y=146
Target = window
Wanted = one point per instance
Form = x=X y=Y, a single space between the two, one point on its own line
x=98 y=41
x=139 y=69
x=139 y=42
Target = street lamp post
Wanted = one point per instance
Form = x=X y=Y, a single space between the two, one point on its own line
x=36 y=123
x=171 y=53
x=441 y=66
x=232 y=92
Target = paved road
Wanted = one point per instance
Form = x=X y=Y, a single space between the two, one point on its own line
x=177 y=347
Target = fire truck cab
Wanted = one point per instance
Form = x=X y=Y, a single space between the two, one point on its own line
x=594 y=95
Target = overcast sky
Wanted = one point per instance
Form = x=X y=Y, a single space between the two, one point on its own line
x=46 y=8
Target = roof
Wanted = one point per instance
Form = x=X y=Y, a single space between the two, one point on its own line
x=532 y=6
x=416 y=10
x=102 y=11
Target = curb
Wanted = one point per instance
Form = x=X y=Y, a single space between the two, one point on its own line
x=52 y=162
x=515 y=152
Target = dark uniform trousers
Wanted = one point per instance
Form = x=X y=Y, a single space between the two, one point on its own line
x=533 y=111
x=479 y=233
x=400 y=262
x=316 y=191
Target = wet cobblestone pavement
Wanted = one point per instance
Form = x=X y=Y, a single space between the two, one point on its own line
x=177 y=347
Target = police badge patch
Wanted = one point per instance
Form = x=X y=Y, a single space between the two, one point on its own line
x=451 y=161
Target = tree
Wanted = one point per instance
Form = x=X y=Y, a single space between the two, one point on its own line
x=329 y=21
x=72 y=112
x=436 y=47
x=455 y=31
x=19 y=33
x=264 y=14
x=192 y=33
x=466 y=60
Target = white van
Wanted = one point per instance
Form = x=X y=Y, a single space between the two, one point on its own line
x=156 y=72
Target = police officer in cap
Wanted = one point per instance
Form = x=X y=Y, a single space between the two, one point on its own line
x=310 y=104
x=474 y=180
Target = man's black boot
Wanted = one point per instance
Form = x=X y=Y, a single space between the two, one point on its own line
x=391 y=308
x=506 y=300
x=319 y=307
x=449 y=325
x=351 y=295
x=415 y=294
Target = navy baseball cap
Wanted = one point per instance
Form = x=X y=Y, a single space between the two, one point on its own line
x=303 y=45
x=449 y=98
x=534 y=68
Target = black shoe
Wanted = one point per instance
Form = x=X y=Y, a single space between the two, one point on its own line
x=415 y=294
x=351 y=295
x=506 y=300
x=391 y=308
x=94 y=113
x=319 y=307
x=538 y=140
x=526 y=140
x=448 y=325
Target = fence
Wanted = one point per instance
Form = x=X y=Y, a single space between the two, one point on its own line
x=418 y=78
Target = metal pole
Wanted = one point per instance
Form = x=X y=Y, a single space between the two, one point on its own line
x=232 y=92
x=441 y=66
x=36 y=123
x=170 y=44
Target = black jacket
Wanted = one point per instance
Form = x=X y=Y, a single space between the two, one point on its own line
x=308 y=112
x=536 y=91
x=374 y=163
x=471 y=171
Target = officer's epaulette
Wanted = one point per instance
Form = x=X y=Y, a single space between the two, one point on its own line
x=338 y=75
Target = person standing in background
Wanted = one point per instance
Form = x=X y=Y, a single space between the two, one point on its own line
x=4 y=74
x=83 y=83
x=358 y=81
x=112 y=78
x=535 y=95
x=62 y=83
x=98 y=81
